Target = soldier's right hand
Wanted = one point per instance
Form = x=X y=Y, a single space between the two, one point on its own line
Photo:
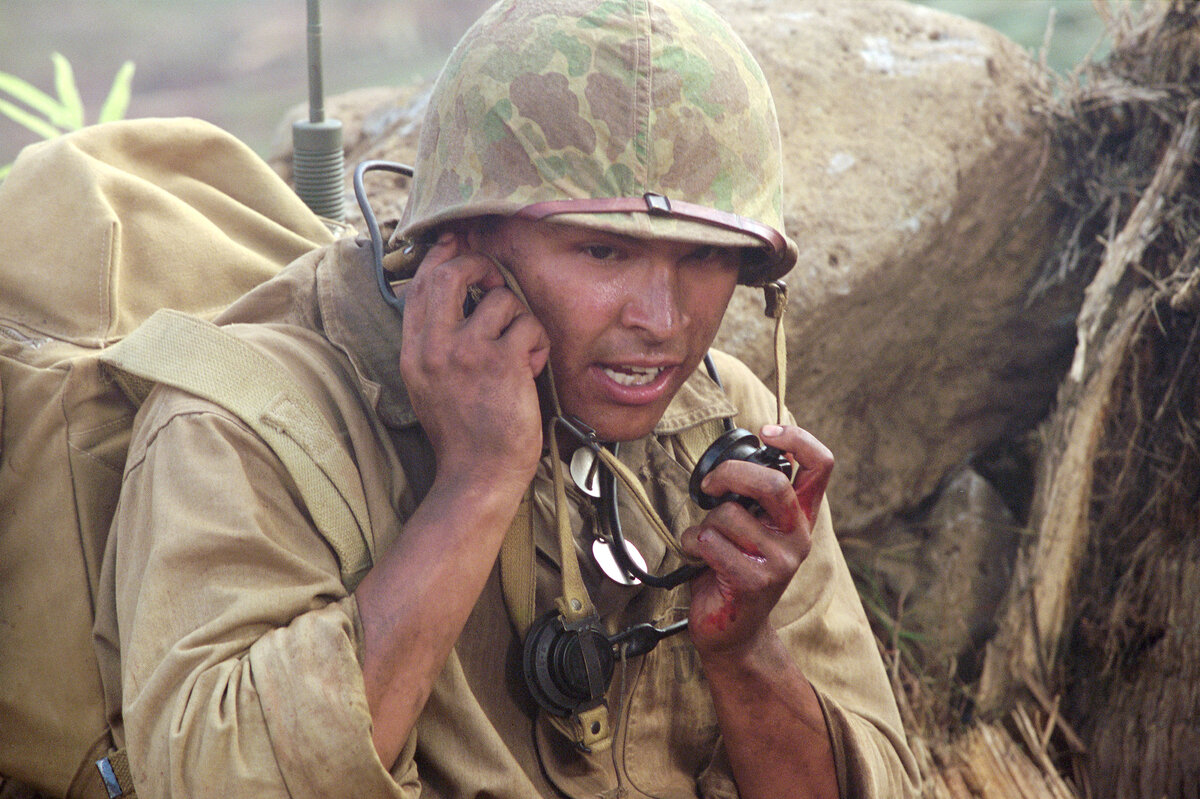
x=471 y=378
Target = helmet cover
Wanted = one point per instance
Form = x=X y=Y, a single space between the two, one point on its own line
x=647 y=118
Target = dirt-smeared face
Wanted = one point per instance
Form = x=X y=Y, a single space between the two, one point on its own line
x=629 y=319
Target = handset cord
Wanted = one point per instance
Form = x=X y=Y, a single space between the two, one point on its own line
x=364 y=205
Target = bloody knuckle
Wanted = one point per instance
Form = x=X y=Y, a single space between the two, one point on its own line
x=758 y=580
x=823 y=458
x=792 y=560
x=780 y=490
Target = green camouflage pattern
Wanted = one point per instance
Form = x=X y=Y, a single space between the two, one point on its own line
x=582 y=99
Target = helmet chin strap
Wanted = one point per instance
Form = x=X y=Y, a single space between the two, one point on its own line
x=776 y=297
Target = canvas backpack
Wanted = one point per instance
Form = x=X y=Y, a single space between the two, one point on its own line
x=101 y=229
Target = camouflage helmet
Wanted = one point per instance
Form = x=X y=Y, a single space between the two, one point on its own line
x=641 y=117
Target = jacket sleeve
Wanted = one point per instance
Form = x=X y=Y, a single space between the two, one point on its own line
x=240 y=647
x=821 y=620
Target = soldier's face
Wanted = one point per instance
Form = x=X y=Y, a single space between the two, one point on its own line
x=629 y=319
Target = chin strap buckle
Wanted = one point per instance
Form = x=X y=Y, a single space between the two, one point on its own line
x=776 y=295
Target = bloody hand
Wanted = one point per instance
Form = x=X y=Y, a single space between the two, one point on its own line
x=752 y=558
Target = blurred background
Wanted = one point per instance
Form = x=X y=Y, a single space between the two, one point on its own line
x=241 y=65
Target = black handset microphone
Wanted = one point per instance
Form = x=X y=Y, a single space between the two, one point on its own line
x=737 y=444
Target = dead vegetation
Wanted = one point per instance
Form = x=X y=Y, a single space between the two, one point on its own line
x=1089 y=687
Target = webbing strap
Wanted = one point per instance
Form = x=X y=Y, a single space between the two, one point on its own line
x=200 y=358
x=518 y=571
x=115 y=775
x=776 y=297
x=575 y=604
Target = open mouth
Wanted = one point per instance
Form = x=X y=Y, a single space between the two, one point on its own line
x=633 y=375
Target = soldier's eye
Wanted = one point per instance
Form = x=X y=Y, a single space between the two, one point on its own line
x=601 y=252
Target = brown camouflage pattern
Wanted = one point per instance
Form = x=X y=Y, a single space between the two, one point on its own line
x=582 y=99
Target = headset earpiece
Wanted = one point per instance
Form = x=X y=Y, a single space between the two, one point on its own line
x=567 y=667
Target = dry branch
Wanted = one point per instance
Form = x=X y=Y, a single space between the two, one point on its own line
x=1032 y=629
x=988 y=764
x=1135 y=236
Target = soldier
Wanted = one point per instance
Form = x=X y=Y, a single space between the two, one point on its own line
x=603 y=174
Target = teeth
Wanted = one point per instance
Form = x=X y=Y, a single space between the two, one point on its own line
x=633 y=375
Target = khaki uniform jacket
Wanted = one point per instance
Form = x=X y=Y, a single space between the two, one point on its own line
x=231 y=650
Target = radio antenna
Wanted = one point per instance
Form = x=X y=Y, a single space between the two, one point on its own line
x=318 y=162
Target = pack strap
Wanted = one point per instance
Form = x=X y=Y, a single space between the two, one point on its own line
x=518 y=569
x=575 y=605
x=198 y=357
x=115 y=775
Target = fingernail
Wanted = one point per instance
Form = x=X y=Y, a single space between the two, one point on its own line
x=772 y=430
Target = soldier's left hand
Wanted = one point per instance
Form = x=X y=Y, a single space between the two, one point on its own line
x=752 y=557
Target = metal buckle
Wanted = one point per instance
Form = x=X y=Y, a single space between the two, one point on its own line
x=656 y=204
x=109 y=777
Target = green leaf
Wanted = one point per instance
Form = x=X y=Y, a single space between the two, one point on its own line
x=117 y=102
x=4 y=170
x=71 y=117
x=30 y=95
x=23 y=117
